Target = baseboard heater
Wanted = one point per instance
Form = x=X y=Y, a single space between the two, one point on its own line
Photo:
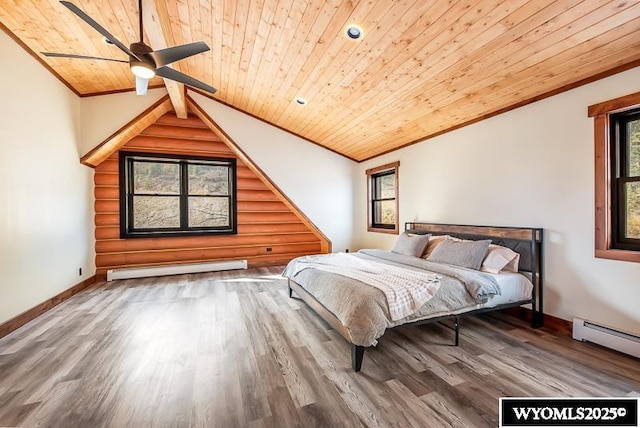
x=588 y=331
x=143 y=272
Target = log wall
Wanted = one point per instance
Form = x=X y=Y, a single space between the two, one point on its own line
x=264 y=220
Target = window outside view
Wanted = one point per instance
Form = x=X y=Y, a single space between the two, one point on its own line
x=632 y=189
x=157 y=189
x=163 y=181
x=385 y=210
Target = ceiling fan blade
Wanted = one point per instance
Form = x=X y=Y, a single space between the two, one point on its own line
x=141 y=85
x=171 y=74
x=63 y=55
x=86 y=18
x=175 y=53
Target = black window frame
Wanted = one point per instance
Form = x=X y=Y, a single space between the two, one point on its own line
x=620 y=176
x=376 y=181
x=373 y=179
x=126 y=161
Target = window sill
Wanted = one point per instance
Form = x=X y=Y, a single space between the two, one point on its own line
x=381 y=230
x=622 y=255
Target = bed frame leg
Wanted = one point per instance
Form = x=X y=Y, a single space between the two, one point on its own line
x=457 y=325
x=537 y=319
x=357 y=355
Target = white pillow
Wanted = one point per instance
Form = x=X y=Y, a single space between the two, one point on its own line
x=411 y=245
x=500 y=259
x=468 y=254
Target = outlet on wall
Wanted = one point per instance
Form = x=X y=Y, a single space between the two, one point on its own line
x=269 y=249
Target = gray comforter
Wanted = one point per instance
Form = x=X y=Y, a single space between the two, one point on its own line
x=363 y=308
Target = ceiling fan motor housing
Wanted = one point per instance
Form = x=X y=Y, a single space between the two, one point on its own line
x=144 y=62
x=142 y=51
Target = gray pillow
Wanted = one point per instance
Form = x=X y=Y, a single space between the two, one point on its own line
x=411 y=245
x=468 y=254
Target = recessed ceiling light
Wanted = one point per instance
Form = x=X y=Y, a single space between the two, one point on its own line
x=301 y=101
x=354 y=32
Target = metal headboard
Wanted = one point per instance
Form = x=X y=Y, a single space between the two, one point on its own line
x=526 y=241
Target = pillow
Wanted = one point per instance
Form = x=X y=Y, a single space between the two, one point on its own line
x=500 y=258
x=411 y=245
x=434 y=241
x=468 y=254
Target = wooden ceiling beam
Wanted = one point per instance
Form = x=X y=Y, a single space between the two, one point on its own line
x=158 y=31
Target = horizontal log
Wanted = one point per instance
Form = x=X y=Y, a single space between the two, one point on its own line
x=106 y=192
x=106 y=232
x=280 y=261
x=106 y=206
x=109 y=165
x=249 y=229
x=106 y=179
x=107 y=219
x=192 y=121
x=208 y=241
x=276 y=259
x=256 y=195
x=262 y=206
x=267 y=217
x=252 y=183
x=183 y=255
x=202 y=134
x=149 y=143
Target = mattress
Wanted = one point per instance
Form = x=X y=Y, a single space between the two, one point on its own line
x=363 y=310
x=514 y=287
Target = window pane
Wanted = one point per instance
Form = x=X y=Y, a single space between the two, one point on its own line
x=151 y=212
x=633 y=210
x=633 y=134
x=385 y=186
x=156 y=177
x=209 y=212
x=208 y=180
x=384 y=212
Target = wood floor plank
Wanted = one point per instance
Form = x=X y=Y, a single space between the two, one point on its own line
x=231 y=349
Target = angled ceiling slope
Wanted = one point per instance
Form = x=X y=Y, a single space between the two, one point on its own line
x=422 y=67
x=119 y=139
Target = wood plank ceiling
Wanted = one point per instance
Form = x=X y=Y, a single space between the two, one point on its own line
x=422 y=67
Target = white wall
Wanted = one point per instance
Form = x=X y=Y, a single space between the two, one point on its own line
x=46 y=201
x=104 y=115
x=534 y=167
x=317 y=180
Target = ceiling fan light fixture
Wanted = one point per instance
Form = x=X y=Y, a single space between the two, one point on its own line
x=142 y=69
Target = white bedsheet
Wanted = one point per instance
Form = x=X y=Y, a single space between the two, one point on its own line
x=514 y=287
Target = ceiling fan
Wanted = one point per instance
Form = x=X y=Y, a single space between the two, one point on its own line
x=144 y=62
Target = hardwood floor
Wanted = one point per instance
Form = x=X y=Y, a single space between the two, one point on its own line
x=231 y=349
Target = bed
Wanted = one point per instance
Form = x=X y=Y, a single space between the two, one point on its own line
x=361 y=312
